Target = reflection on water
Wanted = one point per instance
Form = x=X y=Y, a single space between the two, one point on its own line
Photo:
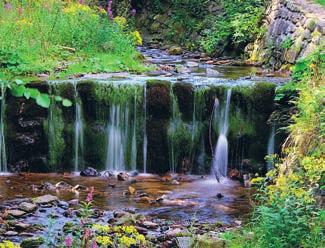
x=193 y=197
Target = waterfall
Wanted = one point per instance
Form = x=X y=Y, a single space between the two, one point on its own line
x=134 y=137
x=117 y=137
x=220 y=160
x=174 y=125
x=78 y=135
x=145 y=138
x=270 y=147
x=3 y=154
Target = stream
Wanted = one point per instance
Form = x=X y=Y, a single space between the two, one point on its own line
x=166 y=195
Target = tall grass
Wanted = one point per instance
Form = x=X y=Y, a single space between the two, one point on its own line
x=51 y=35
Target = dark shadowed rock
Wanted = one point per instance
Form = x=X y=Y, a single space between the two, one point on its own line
x=90 y=172
x=122 y=176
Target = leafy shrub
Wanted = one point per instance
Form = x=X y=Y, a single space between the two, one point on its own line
x=239 y=25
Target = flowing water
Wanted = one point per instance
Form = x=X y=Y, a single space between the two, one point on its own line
x=192 y=198
x=117 y=135
x=3 y=154
x=145 y=137
x=134 y=137
x=220 y=160
x=79 y=132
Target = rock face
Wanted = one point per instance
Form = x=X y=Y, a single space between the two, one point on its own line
x=90 y=172
x=294 y=29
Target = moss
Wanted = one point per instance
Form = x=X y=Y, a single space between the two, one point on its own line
x=54 y=129
x=158 y=99
x=185 y=96
x=240 y=125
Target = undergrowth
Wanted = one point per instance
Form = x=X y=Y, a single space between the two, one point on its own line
x=287 y=212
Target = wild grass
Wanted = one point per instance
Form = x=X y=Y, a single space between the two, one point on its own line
x=48 y=36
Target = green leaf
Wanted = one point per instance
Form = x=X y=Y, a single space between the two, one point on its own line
x=19 y=82
x=18 y=91
x=34 y=93
x=58 y=98
x=43 y=100
x=66 y=103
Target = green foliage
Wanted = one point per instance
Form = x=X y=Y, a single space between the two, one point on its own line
x=41 y=36
x=284 y=223
x=286 y=43
x=288 y=214
x=239 y=25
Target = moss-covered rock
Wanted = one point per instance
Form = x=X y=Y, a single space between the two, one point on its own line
x=185 y=97
x=158 y=99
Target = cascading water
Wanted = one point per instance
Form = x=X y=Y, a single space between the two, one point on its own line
x=220 y=160
x=79 y=131
x=145 y=138
x=117 y=134
x=270 y=147
x=3 y=154
x=134 y=137
x=174 y=125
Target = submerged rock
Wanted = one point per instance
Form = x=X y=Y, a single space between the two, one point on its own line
x=90 y=172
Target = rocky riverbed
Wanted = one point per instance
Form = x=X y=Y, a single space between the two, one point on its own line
x=166 y=209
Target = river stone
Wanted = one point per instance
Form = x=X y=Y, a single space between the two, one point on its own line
x=89 y=172
x=45 y=199
x=192 y=64
x=175 y=50
x=20 y=226
x=173 y=232
x=10 y=233
x=32 y=242
x=16 y=213
x=150 y=225
x=27 y=207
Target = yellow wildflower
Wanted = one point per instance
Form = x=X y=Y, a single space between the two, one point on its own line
x=137 y=37
x=76 y=8
x=104 y=240
x=141 y=238
x=24 y=22
x=101 y=228
x=121 y=21
x=8 y=244
x=129 y=229
x=127 y=242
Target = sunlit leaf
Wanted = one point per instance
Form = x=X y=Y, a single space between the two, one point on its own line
x=43 y=100
x=18 y=91
x=66 y=103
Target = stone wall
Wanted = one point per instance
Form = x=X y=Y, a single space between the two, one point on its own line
x=294 y=28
